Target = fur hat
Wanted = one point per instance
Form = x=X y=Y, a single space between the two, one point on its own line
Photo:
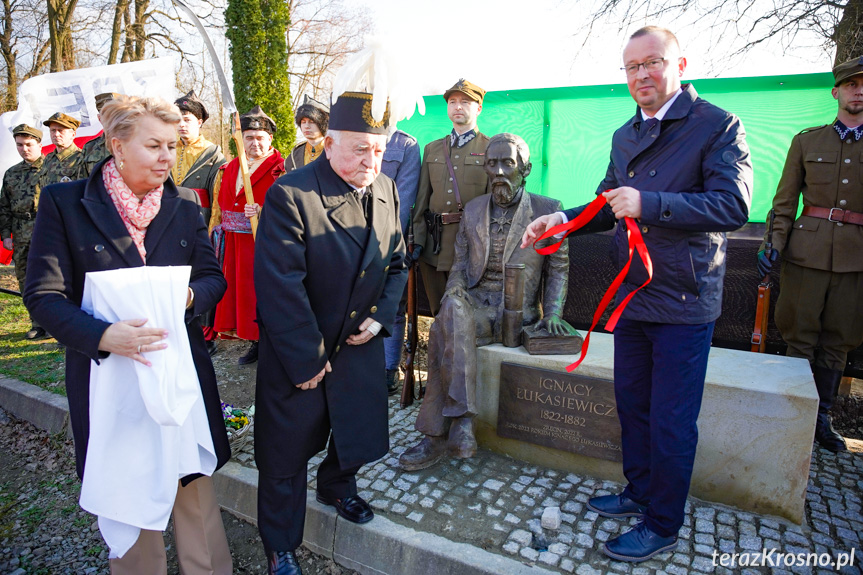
x=317 y=112
x=256 y=119
x=190 y=103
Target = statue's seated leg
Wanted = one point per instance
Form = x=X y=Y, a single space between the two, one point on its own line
x=451 y=360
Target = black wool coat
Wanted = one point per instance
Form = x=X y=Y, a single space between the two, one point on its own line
x=79 y=230
x=317 y=279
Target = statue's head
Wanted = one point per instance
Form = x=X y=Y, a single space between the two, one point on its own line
x=507 y=163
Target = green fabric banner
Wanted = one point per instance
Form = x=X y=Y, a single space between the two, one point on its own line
x=569 y=129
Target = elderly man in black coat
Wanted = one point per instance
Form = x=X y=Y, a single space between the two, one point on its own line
x=329 y=270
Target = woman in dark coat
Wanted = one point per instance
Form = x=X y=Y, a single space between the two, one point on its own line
x=127 y=215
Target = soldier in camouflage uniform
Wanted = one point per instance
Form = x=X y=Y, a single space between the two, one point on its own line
x=66 y=162
x=95 y=150
x=18 y=205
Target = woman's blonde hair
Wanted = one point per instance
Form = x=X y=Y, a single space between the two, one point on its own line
x=120 y=116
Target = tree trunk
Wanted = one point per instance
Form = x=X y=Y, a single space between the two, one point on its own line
x=117 y=30
x=60 y=33
x=10 y=57
x=139 y=29
x=848 y=35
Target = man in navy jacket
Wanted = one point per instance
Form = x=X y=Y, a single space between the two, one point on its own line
x=681 y=168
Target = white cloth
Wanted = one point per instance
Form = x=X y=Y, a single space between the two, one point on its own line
x=148 y=425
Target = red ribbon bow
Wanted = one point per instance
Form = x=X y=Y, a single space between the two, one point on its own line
x=636 y=243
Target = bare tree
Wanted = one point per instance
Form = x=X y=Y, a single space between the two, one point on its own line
x=60 y=18
x=322 y=34
x=23 y=45
x=837 y=23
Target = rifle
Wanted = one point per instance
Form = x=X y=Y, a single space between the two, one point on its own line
x=762 y=309
x=412 y=336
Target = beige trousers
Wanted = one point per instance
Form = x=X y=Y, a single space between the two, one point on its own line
x=202 y=547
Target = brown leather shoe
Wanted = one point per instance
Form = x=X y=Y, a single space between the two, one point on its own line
x=462 y=443
x=424 y=454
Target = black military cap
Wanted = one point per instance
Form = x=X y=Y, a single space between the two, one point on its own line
x=467 y=88
x=191 y=103
x=64 y=120
x=25 y=130
x=317 y=112
x=352 y=112
x=256 y=119
x=104 y=98
x=847 y=69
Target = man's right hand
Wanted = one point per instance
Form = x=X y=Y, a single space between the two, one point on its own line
x=539 y=226
x=313 y=383
x=765 y=263
x=7 y=244
x=413 y=256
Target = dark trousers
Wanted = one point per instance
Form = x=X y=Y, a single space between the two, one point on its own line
x=659 y=372
x=282 y=500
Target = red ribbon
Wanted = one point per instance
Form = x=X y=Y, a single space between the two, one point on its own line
x=636 y=243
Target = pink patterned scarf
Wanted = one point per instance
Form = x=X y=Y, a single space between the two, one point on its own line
x=136 y=214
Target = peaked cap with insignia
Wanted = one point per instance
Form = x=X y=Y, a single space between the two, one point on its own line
x=25 y=130
x=317 y=112
x=847 y=69
x=104 y=98
x=256 y=119
x=467 y=88
x=64 y=120
x=190 y=103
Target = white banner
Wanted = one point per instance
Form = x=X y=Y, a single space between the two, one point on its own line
x=73 y=92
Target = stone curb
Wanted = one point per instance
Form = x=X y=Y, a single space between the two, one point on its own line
x=381 y=547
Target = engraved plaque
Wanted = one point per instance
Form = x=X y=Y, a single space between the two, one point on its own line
x=560 y=410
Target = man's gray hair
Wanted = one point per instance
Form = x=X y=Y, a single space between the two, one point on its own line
x=521 y=149
x=336 y=135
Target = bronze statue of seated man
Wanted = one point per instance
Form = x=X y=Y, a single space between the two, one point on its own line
x=472 y=307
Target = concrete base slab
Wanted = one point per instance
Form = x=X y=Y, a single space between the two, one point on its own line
x=756 y=425
x=45 y=410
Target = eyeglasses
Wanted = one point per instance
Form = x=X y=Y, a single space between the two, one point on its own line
x=649 y=66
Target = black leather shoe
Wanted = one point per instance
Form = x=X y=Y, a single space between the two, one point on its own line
x=639 y=544
x=36 y=333
x=353 y=508
x=251 y=355
x=283 y=563
x=212 y=346
x=616 y=506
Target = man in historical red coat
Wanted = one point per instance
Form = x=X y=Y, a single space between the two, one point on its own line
x=232 y=231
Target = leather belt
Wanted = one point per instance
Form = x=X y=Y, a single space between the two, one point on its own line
x=450 y=217
x=835 y=215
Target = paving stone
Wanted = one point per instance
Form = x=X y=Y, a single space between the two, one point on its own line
x=510 y=518
x=585 y=569
x=567 y=565
x=399 y=508
x=415 y=516
x=750 y=543
x=703 y=564
x=511 y=547
x=549 y=558
x=584 y=540
x=559 y=548
x=445 y=509
x=521 y=537
x=551 y=518
x=493 y=484
x=529 y=554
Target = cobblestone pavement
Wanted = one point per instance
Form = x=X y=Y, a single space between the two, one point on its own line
x=496 y=503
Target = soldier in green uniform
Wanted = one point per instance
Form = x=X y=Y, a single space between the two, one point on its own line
x=66 y=162
x=446 y=186
x=820 y=308
x=18 y=205
x=95 y=150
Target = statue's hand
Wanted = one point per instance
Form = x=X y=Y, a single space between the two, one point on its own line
x=555 y=325
x=456 y=291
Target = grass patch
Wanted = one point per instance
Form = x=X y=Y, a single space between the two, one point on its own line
x=37 y=362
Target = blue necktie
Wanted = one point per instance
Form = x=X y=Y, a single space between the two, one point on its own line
x=648 y=125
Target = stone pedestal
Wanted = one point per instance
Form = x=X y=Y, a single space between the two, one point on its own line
x=756 y=425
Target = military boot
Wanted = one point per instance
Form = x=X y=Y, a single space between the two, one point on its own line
x=462 y=443
x=827 y=383
x=392 y=381
x=424 y=454
x=251 y=355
